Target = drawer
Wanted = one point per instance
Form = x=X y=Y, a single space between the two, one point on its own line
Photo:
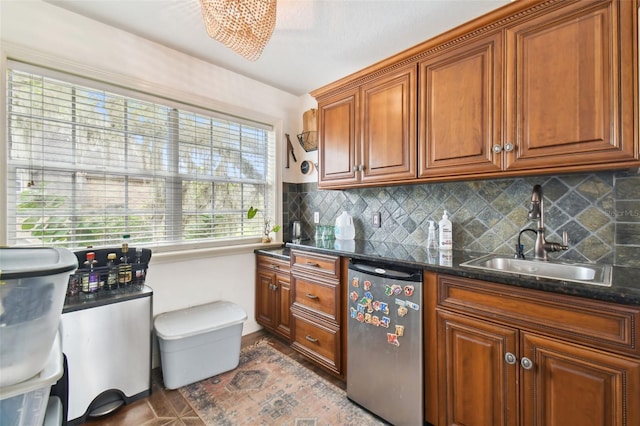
x=600 y=324
x=275 y=264
x=317 y=341
x=319 y=297
x=315 y=263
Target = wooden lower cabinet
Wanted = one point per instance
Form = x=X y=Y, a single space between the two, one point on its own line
x=318 y=309
x=495 y=371
x=318 y=341
x=273 y=295
x=575 y=385
x=476 y=387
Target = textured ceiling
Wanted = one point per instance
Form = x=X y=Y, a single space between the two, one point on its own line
x=315 y=41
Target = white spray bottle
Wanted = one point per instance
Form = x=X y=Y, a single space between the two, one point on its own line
x=432 y=240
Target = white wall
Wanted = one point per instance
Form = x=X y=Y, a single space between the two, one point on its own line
x=293 y=173
x=47 y=35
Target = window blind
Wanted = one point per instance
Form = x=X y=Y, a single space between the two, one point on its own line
x=87 y=165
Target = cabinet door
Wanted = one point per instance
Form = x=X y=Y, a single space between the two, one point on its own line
x=339 y=134
x=575 y=385
x=389 y=126
x=570 y=87
x=460 y=109
x=477 y=387
x=283 y=326
x=265 y=298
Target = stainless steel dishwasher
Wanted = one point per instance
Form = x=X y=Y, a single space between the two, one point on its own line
x=384 y=341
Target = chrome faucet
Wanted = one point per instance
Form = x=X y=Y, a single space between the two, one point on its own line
x=536 y=211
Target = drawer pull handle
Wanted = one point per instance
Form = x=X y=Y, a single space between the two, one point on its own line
x=311 y=339
x=510 y=358
x=312 y=296
x=315 y=265
x=274 y=266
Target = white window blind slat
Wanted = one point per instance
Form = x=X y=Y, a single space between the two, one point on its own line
x=87 y=165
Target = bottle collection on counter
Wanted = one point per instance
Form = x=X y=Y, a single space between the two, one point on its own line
x=114 y=272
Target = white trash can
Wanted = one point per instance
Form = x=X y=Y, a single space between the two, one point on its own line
x=199 y=342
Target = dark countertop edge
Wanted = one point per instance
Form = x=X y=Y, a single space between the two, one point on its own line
x=277 y=252
x=625 y=288
x=107 y=297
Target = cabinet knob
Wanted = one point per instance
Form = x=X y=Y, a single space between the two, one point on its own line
x=273 y=287
x=312 y=296
x=354 y=168
x=526 y=363
x=508 y=147
x=497 y=148
x=510 y=358
x=361 y=168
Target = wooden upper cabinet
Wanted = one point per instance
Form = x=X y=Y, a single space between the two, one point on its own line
x=460 y=107
x=389 y=116
x=368 y=134
x=339 y=135
x=534 y=87
x=570 y=87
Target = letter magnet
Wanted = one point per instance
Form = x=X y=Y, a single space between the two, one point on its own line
x=392 y=339
x=408 y=290
x=400 y=330
x=367 y=285
x=355 y=282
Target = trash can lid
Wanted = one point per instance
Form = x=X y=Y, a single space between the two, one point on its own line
x=198 y=320
x=26 y=262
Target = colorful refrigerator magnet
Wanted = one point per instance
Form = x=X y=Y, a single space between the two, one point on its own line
x=367 y=285
x=393 y=339
x=402 y=311
x=400 y=330
x=408 y=290
x=355 y=282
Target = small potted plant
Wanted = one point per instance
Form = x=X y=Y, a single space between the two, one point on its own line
x=268 y=229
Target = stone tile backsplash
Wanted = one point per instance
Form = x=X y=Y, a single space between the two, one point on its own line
x=600 y=211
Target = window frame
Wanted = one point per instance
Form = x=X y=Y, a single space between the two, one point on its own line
x=138 y=89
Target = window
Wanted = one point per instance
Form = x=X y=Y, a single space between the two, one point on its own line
x=86 y=165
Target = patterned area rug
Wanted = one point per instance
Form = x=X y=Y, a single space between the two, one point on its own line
x=269 y=388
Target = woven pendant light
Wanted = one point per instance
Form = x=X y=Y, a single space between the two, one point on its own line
x=244 y=26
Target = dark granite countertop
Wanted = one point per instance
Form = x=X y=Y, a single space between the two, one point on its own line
x=625 y=288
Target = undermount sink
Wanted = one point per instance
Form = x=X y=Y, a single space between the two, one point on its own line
x=595 y=274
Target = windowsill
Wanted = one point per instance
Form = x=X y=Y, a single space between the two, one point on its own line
x=207 y=252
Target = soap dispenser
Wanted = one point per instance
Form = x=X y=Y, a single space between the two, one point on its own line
x=432 y=240
x=446 y=233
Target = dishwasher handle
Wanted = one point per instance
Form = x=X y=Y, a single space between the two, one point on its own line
x=386 y=271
